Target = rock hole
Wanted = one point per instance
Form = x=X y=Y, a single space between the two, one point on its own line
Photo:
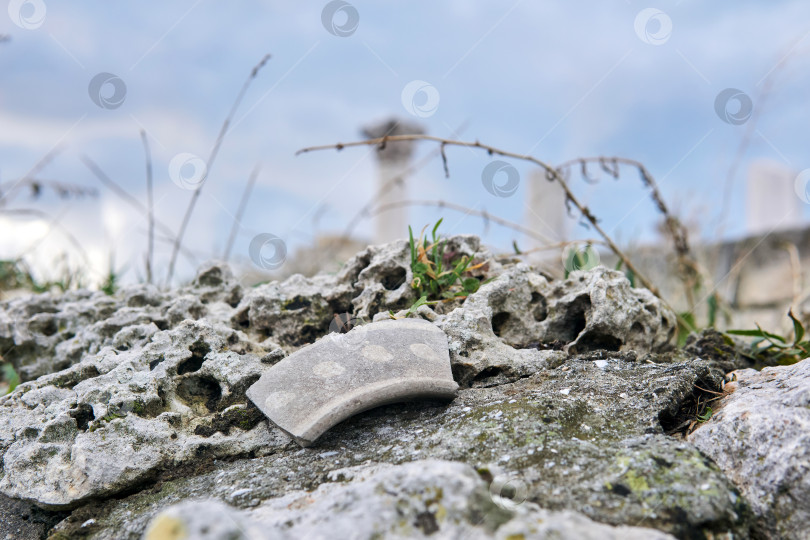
x=637 y=328
x=200 y=393
x=426 y=521
x=298 y=302
x=593 y=341
x=498 y=321
x=486 y=373
x=198 y=351
x=242 y=318
x=540 y=309
x=681 y=417
x=44 y=325
x=309 y=334
x=394 y=279
x=620 y=489
x=573 y=321
x=82 y=414
x=162 y=324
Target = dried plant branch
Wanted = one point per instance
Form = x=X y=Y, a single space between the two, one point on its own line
x=150 y=203
x=241 y=211
x=132 y=201
x=209 y=163
x=390 y=184
x=53 y=224
x=465 y=210
x=687 y=264
x=35 y=170
x=795 y=271
x=551 y=173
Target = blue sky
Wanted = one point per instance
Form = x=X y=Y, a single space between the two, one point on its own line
x=556 y=79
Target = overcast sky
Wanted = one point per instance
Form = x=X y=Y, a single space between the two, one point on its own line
x=555 y=79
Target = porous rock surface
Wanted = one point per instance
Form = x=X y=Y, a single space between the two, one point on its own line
x=412 y=500
x=135 y=403
x=759 y=436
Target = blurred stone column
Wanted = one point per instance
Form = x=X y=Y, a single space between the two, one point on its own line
x=771 y=202
x=392 y=162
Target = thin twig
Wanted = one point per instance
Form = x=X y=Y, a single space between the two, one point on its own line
x=150 y=203
x=237 y=220
x=551 y=172
x=209 y=163
x=53 y=224
x=35 y=170
x=132 y=201
x=464 y=210
x=389 y=185
x=795 y=271
x=687 y=264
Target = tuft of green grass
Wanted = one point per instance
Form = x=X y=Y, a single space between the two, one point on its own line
x=439 y=275
x=769 y=348
x=10 y=377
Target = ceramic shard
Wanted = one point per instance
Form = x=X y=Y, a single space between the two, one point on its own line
x=344 y=374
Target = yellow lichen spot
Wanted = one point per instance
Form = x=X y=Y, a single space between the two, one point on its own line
x=166 y=528
x=635 y=482
x=518 y=536
x=441 y=513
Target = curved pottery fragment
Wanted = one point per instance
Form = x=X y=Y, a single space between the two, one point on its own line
x=344 y=374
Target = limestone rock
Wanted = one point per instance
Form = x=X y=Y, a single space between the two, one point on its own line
x=422 y=499
x=585 y=437
x=759 y=435
x=495 y=336
x=137 y=402
x=178 y=399
x=41 y=334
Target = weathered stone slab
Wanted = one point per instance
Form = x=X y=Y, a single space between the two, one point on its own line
x=344 y=374
x=760 y=437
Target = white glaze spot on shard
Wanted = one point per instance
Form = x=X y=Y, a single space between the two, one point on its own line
x=377 y=353
x=328 y=369
x=425 y=352
x=279 y=399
